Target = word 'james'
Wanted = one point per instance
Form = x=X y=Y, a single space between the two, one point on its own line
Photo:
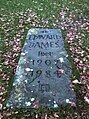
x=43 y=45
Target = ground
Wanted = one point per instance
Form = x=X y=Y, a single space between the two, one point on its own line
x=71 y=16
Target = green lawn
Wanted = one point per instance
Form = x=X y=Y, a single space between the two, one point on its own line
x=71 y=16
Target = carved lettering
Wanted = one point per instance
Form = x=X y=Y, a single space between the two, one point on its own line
x=43 y=87
x=40 y=53
x=44 y=37
x=44 y=45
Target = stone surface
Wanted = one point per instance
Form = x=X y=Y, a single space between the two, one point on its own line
x=43 y=73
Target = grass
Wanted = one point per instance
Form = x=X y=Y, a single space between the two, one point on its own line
x=45 y=10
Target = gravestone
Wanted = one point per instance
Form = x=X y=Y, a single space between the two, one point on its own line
x=43 y=73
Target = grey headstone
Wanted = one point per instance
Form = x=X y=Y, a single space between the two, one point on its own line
x=43 y=73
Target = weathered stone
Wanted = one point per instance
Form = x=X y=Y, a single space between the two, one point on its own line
x=43 y=73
